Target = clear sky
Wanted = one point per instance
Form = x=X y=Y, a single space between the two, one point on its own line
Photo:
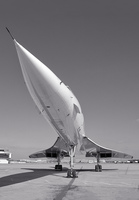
x=92 y=46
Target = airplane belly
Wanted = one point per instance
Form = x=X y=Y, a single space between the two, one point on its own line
x=55 y=110
x=57 y=107
x=55 y=101
x=59 y=116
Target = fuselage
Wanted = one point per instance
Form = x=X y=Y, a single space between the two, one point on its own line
x=54 y=99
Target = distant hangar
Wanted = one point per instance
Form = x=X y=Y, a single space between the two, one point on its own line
x=5 y=156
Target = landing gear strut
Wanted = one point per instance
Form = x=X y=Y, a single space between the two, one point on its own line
x=59 y=166
x=98 y=167
x=71 y=173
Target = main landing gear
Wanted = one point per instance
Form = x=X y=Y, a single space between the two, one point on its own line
x=59 y=166
x=98 y=167
x=71 y=173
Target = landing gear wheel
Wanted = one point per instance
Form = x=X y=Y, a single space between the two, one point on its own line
x=58 y=167
x=98 y=168
x=71 y=173
x=74 y=174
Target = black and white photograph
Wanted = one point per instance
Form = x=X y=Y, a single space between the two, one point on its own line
x=69 y=99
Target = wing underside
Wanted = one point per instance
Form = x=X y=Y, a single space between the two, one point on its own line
x=59 y=148
x=92 y=149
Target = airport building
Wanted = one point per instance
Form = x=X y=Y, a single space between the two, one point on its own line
x=5 y=156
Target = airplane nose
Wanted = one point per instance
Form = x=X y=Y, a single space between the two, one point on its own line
x=29 y=63
x=34 y=69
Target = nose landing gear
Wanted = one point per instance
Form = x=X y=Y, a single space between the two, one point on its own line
x=71 y=173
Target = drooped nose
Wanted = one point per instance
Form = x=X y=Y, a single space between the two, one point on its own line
x=34 y=69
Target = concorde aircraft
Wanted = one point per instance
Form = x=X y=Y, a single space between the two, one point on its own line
x=59 y=106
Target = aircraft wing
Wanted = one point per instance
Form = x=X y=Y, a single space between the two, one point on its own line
x=92 y=149
x=59 y=148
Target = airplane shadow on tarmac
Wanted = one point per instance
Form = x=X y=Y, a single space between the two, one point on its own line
x=34 y=174
x=27 y=176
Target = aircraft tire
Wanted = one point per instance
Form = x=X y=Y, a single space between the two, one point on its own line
x=71 y=173
x=74 y=174
x=98 y=168
x=58 y=167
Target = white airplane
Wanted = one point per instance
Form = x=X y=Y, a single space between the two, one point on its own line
x=61 y=109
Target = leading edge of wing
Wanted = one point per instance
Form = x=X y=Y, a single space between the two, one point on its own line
x=92 y=149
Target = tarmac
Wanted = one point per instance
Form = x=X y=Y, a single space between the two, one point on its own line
x=41 y=182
